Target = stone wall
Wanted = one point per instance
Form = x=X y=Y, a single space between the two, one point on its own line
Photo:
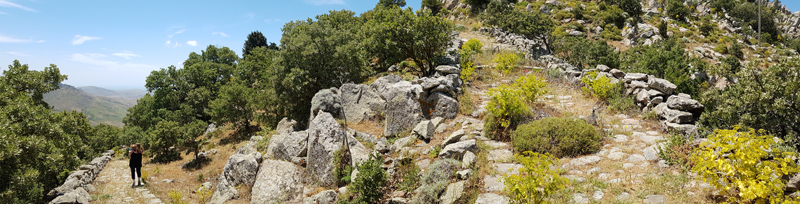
x=75 y=189
x=677 y=111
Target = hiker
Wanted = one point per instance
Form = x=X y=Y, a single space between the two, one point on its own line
x=136 y=164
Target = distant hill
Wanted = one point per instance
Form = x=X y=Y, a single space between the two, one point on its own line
x=98 y=104
x=129 y=94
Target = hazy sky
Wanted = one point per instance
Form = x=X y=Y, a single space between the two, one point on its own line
x=115 y=44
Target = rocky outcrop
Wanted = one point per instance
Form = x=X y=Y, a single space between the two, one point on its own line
x=327 y=100
x=403 y=110
x=240 y=169
x=360 y=102
x=325 y=136
x=73 y=189
x=278 y=182
x=288 y=145
x=515 y=41
x=458 y=149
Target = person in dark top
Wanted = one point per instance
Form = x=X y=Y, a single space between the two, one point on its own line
x=136 y=164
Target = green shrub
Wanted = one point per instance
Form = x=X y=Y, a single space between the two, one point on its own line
x=600 y=87
x=676 y=150
x=612 y=15
x=558 y=136
x=662 y=29
x=341 y=166
x=530 y=87
x=533 y=25
x=368 y=185
x=678 y=11
x=665 y=59
x=465 y=104
x=506 y=62
x=721 y=48
x=706 y=27
x=506 y=108
x=611 y=32
x=536 y=181
x=736 y=50
x=584 y=53
x=409 y=172
x=739 y=164
x=434 y=181
x=561 y=15
x=176 y=198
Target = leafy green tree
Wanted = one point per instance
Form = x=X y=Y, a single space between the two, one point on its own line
x=388 y=3
x=532 y=25
x=254 y=40
x=585 y=53
x=393 y=35
x=719 y=5
x=678 y=11
x=38 y=147
x=232 y=105
x=662 y=29
x=319 y=54
x=763 y=99
x=665 y=59
x=632 y=7
x=434 y=5
x=260 y=72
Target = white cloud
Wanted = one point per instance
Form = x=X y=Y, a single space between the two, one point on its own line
x=6 y=39
x=191 y=43
x=80 y=39
x=171 y=45
x=179 y=32
x=220 y=33
x=97 y=59
x=127 y=55
x=324 y=2
x=6 y=3
x=18 y=54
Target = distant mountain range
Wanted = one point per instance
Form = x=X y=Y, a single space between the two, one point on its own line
x=98 y=104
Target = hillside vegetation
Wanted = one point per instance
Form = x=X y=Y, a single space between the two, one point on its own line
x=98 y=109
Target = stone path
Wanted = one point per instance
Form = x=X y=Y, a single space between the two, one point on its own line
x=115 y=181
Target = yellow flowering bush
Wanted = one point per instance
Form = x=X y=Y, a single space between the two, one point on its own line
x=531 y=87
x=600 y=87
x=506 y=62
x=507 y=105
x=536 y=180
x=738 y=164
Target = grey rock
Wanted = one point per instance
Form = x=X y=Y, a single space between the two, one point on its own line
x=437 y=121
x=454 y=137
x=361 y=102
x=684 y=128
x=617 y=73
x=603 y=68
x=684 y=102
x=286 y=125
x=491 y=198
x=424 y=130
x=651 y=152
x=79 y=195
x=325 y=136
x=580 y=198
x=240 y=169
x=636 y=76
x=598 y=195
x=448 y=69
x=397 y=201
x=464 y=174
x=324 y=197
x=500 y=155
x=384 y=84
x=327 y=100
x=662 y=85
x=655 y=199
x=358 y=152
x=585 y=160
x=508 y=168
x=616 y=155
x=287 y=145
x=635 y=158
x=493 y=183
x=454 y=192
x=458 y=149
x=794 y=183
x=440 y=105
x=620 y=138
x=278 y=182
x=403 y=109
x=469 y=160
x=673 y=116
x=402 y=142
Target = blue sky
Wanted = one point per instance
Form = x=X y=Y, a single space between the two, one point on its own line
x=116 y=44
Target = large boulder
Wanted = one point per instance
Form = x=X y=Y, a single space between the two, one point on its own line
x=453 y=192
x=327 y=100
x=325 y=136
x=384 y=84
x=448 y=69
x=458 y=149
x=403 y=110
x=424 y=130
x=286 y=125
x=673 y=116
x=278 y=182
x=239 y=170
x=662 y=85
x=358 y=152
x=360 y=102
x=440 y=105
x=684 y=102
x=285 y=146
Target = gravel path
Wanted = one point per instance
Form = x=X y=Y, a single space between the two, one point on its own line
x=113 y=185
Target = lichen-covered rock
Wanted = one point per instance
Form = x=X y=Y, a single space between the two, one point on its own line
x=684 y=102
x=79 y=195
x=240 y=169
x=457 y=150
x=673 y=116
x=440 y=105
x=278 y=182
x=448 y=69
x=361 y=102
x=491 y=198
x=662 y=85
x=288 y=145
x=453 y=192
x=636 y=77
x=403 y=110
x=325 y=136
x=454 y=137
x=286 y=125
x=327 y=100
x=424 y=130
x=324 y=197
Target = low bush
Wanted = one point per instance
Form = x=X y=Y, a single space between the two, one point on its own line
x=600 y=87
x=611 y=32
x=536 y=180
x=506 y=108
x=434 y=181
x=530 y=87
x=739 y=164
x=368 y=185
x=676 y=151
x=506 y=62
x=341 y=166
x=560 y=137
x=722 y=49
x=585 y=53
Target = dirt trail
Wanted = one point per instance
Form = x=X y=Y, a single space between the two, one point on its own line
x=113 y=185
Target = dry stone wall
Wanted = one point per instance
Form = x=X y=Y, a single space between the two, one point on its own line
x=75 y=189
x=677 y=111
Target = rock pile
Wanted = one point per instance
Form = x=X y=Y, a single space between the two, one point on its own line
x=74 y=189
x=641 y=33
x=677 y=110
x=518 y=42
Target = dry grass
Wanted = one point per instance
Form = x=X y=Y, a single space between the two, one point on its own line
x=186 y=180
x=367 y=126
